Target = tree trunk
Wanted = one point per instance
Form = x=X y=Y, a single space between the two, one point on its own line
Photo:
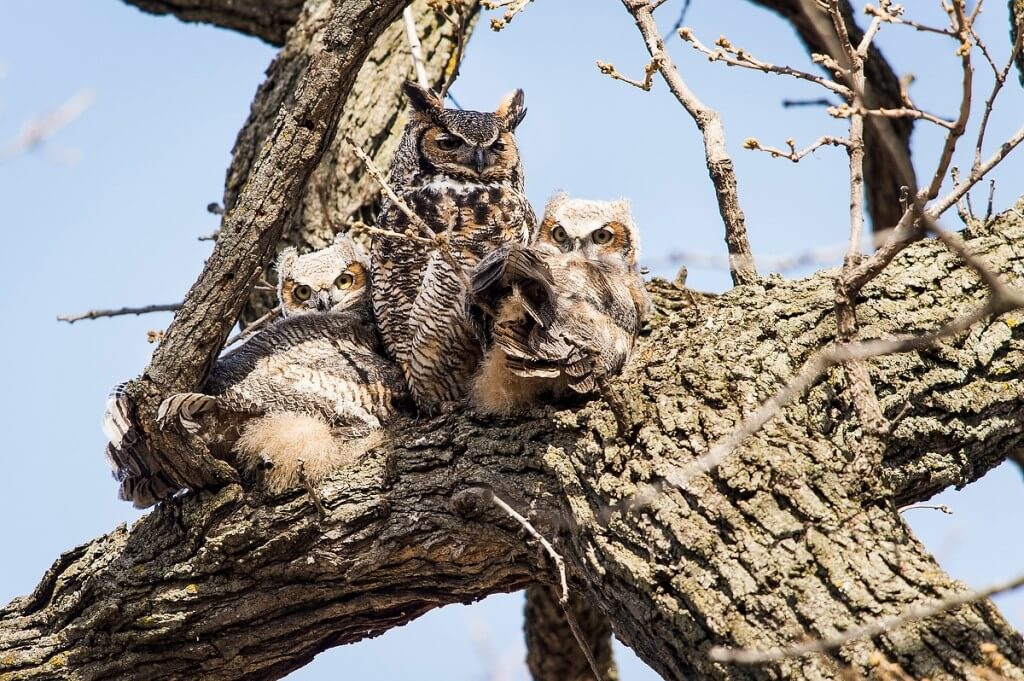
x=777 y=544
x=552 y=651
x=882 y=177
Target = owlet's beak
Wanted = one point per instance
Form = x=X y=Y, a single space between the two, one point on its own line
x=478 y=160
x=323 y=302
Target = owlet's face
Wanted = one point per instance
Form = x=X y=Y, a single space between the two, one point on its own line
x=474 y=146
x=596 y=230
x=329 y=280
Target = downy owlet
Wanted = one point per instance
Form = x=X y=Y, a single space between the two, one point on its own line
x=567 y=309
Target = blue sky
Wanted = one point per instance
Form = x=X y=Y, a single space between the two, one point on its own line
x=119 y=227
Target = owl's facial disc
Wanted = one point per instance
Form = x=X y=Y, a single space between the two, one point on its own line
x=470 y=156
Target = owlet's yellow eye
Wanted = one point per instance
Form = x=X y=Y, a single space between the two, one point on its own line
x=302 y=293
x=558 y=234
x=602 y=236
x=346 y=280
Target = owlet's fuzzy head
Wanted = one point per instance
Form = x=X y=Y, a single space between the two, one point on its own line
x=329 y=280
x=475 y=146
x=600 y=231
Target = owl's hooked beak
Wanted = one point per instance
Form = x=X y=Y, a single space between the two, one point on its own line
x=479 y=160
x=323 y=302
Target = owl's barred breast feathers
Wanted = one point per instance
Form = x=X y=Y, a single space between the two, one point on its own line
x=460 y=172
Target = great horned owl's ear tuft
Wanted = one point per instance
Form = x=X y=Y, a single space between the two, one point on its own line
x=285 y=262
x=422 y=99
x=512 y=110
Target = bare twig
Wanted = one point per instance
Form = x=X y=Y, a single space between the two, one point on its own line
x=793 y=154
x=880 y=626
x=844 y=111
x=1000 y=80
x=734 y=56
x=311 y=491
x=489 y=495
x=511 y=7
x=646 y=84
x=96 y=314
x=929 y=507
x=415 y=49
x=250 y=330
x=720 y=166
x=34 y=133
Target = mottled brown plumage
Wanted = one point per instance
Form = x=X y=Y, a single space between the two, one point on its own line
x=307 y=393
x=460 y=172
x=567 y=308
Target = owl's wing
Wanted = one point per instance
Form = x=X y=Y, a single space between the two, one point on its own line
x=511 y=267
x=129 y=456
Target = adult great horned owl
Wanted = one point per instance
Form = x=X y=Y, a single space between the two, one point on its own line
x=567 y=308
x=460 y=172
x=331 y=278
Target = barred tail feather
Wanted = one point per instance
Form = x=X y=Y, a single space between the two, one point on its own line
x=185 y=407
x=282 y=443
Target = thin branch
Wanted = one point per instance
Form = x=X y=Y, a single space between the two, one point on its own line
x=1000 y=80
x=646 y=84
x=512 y=8
x=844 y=111
x=794 y=155
x=733 y=56
x=563 y=600
x=928 y=507
x=720 y=165
x=893 y=17
x=251 y=329
x=35 y=132
x=96 y=314
x=879 y=626
x=415 y=49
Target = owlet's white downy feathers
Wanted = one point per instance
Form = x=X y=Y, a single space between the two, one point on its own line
x=567 y=308
x=307 y=394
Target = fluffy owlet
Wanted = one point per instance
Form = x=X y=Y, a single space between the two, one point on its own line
x=567 y=309
x=460 y=172
x=333 y=278
x=308 y=392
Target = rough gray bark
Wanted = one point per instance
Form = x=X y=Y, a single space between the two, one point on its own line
x=339 y=191
x=251 y=228
x=266 y=19
x=883 y=90
x=776 y=544
x=552 y=652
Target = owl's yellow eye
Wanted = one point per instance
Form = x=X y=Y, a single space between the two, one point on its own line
x=346 y=280
x=558 y=234
x=602 y=236
x=448 y=143
x=302 y=293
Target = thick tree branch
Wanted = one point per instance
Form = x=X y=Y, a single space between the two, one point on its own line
x=776 y=545
x=265 y=19
x=882 y=91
